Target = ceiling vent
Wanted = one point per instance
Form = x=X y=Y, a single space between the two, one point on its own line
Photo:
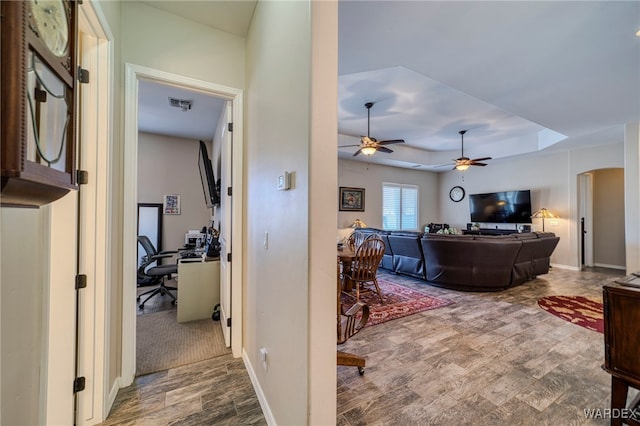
x=184 y=104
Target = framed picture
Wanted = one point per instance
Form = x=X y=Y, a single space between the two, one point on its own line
x=351 y=199
x=171 y=204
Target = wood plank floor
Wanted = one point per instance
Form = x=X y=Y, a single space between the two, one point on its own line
x=487 y=359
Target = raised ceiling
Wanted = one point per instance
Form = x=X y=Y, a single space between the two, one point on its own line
x=521 y=76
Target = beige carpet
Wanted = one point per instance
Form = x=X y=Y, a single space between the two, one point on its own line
x=163 y=343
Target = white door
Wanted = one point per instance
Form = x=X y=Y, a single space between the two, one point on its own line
x=225 y=227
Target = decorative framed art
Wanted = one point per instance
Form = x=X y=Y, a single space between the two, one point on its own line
x=351 y=199
x=171 y=204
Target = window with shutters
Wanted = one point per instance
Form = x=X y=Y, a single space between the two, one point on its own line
x=399 y=207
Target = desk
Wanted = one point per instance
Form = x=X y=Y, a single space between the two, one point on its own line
x=198 y=289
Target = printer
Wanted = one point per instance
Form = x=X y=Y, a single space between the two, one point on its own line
x=195 y=239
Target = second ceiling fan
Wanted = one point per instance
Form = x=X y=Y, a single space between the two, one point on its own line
x=368 y=145
x=462 y=163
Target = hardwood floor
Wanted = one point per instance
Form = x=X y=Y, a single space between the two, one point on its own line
x=216 y=391
x=487 y=359
x=490 y=358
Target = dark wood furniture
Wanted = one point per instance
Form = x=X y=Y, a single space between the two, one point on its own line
x=39 y=81
x=349 y=324
x=345 y=258
x=622 y=346
x=364 y=266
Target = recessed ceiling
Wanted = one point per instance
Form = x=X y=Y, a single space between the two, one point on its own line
x=428 y=116
x=570 y=67
x=516 y=74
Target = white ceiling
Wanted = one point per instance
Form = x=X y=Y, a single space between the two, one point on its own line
x=518 y=75
x=156 y=115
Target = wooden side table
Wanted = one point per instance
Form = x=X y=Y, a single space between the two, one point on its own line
x=622 y=346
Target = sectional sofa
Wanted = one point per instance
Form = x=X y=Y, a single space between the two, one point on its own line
x=468 y=262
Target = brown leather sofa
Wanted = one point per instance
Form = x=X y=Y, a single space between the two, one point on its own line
x=486 y=263
x=467 y=262
x=403 y=251
x=408 y=258
x=387 y=258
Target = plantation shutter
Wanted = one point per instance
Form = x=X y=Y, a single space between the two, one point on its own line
x=399 y=207
x=390 y=206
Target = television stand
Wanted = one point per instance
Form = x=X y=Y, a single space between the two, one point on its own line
x=489 y=231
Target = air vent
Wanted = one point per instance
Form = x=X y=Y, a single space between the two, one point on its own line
x=184 y=104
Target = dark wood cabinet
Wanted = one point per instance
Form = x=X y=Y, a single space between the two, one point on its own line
x=38 y=116
x=622 y=345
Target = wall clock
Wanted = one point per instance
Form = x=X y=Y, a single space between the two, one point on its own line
x=456 y=194
x=38 y=85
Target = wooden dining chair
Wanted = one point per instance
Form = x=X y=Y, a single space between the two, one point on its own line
x=364 y=267
x=356 y=238
x=349 y=324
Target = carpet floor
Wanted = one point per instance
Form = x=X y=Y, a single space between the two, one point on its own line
x=163 y=343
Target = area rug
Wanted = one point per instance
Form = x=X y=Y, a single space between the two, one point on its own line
x=163 y=343
x=578 y=310
x=400 y=301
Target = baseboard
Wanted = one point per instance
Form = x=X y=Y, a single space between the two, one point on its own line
x=266 y=411
x=568 y=267
x=604 y=265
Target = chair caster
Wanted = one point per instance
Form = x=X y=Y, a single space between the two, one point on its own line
x=173 y=302
x=361 y=371
x=141 y=306
x=138 y=299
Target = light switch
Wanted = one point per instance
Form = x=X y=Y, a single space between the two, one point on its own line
x=284 y=181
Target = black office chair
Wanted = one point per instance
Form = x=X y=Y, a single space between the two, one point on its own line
x=155 y=274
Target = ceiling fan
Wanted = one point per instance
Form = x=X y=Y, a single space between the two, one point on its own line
x=368 y=145
x=462 y=163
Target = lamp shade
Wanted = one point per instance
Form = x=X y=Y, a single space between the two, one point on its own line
x=358 y=224
x=368 y=150
x=543 y=213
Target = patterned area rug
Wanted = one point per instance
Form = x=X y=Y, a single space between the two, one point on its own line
x=579 y=310
x=400 y=301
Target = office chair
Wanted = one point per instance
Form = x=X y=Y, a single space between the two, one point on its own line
x=155 y=274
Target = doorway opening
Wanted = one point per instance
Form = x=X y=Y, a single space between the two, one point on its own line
x=233 y=98
x=601 y=219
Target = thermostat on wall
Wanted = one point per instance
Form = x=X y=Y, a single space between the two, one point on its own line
x=284 y=181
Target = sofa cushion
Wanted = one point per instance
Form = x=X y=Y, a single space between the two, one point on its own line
x=407 y=253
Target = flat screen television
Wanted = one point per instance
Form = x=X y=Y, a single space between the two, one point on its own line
x=501 y=207
x=211 y=194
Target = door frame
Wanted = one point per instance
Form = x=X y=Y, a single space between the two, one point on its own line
x=133 y=74
x=89 y=205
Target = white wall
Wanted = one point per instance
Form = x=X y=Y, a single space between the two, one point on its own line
x=632 y=192
x=159 y=40
x=608 y=218
x=169 y=165
x=277 y=302
x=370 y=177
x=152 y=38
x=552 y=179
x=20 y=314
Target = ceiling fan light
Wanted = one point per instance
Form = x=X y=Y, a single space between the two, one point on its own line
x=462 y=167
x=368 y=150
